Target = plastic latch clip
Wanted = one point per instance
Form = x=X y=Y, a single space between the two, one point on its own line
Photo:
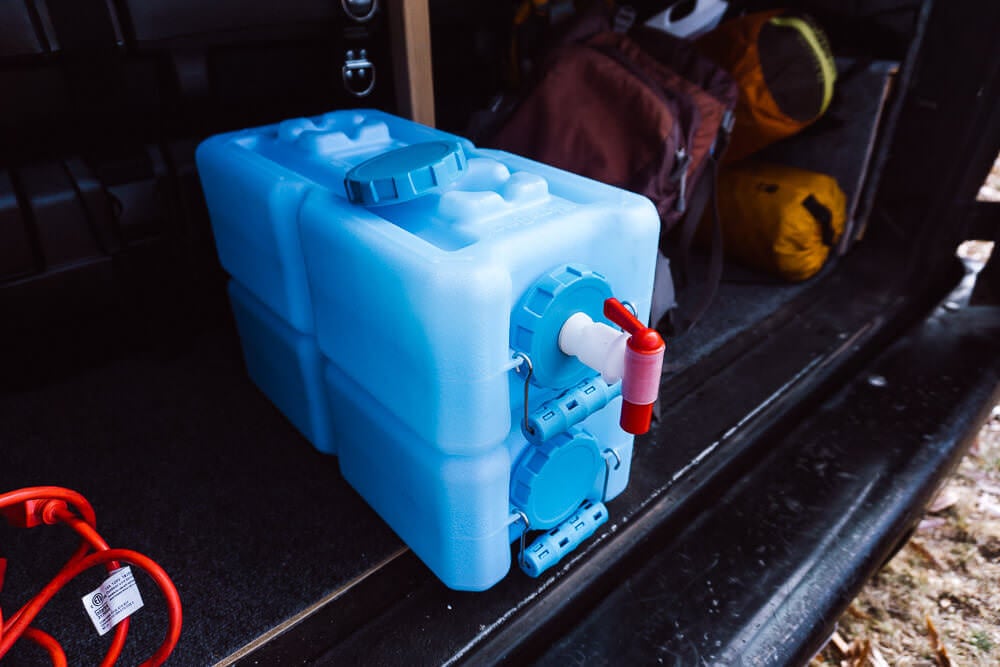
x=550 y=548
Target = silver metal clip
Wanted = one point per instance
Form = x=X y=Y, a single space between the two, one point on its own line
x=624 y=18
x=607 y=468
x=527 y=385
x=521 y=516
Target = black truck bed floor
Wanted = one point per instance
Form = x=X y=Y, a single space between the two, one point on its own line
x=278 y=560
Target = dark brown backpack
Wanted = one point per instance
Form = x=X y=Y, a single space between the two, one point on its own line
x=643 y=111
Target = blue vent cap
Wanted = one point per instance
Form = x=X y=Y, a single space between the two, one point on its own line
x=405 y=173
x=552 y=479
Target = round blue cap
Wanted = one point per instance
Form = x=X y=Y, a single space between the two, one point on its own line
x=552 y=479
x=541 y=313
x=405 y=173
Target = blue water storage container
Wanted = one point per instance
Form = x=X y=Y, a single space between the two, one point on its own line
x=396 y=289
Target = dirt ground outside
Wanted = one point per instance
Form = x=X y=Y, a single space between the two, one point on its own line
x=937 y=602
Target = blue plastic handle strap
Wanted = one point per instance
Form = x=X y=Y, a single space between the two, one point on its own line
x=405 y=173
x=550 y=548
x=569 y=409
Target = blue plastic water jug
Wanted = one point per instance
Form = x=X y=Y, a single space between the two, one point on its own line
x=399 y=293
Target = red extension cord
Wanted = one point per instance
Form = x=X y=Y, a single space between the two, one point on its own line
x=34 y=506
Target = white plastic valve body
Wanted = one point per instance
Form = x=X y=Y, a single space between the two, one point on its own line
x=596 y=345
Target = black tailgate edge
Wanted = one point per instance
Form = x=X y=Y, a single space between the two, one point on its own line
x=762 y=576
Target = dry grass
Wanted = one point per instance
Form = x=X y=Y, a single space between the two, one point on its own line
x=938 y=601
x=991 y=187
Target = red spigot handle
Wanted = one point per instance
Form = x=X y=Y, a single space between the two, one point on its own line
x=643 y=366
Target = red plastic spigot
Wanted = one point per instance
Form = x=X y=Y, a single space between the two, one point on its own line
x=643 y=365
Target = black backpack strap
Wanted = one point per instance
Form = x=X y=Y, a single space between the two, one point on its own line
x=704 y=195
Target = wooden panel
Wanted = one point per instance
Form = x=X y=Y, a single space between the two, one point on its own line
x=411 y=36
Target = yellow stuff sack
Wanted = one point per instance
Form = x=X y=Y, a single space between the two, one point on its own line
x=779 y=219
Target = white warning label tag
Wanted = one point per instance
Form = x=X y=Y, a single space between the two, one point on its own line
x=113 y=601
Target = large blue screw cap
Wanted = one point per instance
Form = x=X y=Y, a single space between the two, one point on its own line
x=552 y=479
x=405 y=173
x=541 y=313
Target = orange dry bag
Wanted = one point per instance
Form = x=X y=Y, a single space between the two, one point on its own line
x=785 y=72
